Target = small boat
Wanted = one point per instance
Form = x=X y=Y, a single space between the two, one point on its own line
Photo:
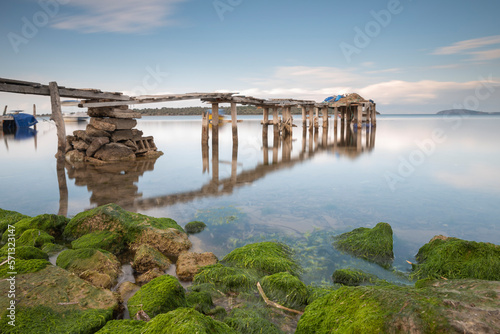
x=75 y=117
x=221 y=115
x=18 y=120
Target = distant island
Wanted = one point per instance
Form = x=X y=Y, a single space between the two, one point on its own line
x=465 y=112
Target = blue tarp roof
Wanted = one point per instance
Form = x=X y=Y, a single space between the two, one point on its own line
x=24 y=120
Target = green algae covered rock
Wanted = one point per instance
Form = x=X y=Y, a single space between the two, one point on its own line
x=52 y=300
x=24 y=253
x=374 y=244
x=286 y=290
x=195 y=227
x=147 y=258
x=250 y=321
x=123 y=327
x=109 y=241
x=23 y=267
x=52 y=224
x=456 y=258
x=51 y=248
x=227 y=278
x=201 y=301
x=266 y=257
x=161 y=295
x=34 y=238
x=9 y=218
x=186 y=321
x=353 y=277
x=436 y=307
x=91 y=264
x=163 y=234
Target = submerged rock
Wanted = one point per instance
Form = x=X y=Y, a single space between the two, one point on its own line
x=353 y=277
x=53 y=300
x=456 y=258
x=161 y=295
x=147 y=258
x=188 y=264
x=266 y=257
x=97 y=266
x=459 y=306
x=115 y=152
x=374 y=244
x=149 y=276
x=186 y=321
x=195 y=227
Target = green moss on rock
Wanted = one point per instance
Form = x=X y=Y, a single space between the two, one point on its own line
x=200 y=301
x=227 y=278
x=250 y=321
x=147 y=258
x=374 y=244
x=9 y=218
x=24 y=253
x=109 y=241
x=186 y=321
x=51 y=248
x=285 y=289
x=353 y=277
x=266 y=257
x=457 y=258
x=123 y=327
x=53 y=300
x=86 y=262
x=195 y=227
x=34 y=238
x=161 y=295
x=23 y=267
x=50 y=223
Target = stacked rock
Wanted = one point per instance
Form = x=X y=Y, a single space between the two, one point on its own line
x=110 y=136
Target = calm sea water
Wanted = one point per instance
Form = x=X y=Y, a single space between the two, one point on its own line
x=424 y=175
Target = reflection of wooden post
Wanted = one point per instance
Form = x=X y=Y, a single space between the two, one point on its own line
x=374 y=118
x=215 y=142
x=316 y=118
x=276 y=143
x=58 y=118
x=335 y=143
x=324 y=139
x=234 y=159
x=234 y=122
x=335 y=116
x=304 y=138
x=63 y=188
x=265 y=143
x=204 y=141
x=311 y=118
x=359 y=143
x=5 y=110
x=372 y=138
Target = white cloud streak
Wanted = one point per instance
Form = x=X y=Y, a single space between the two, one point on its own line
x=470 y=44
x=125 y=16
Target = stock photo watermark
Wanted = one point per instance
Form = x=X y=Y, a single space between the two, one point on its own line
x=427 y=147
x=11 y=271
x=30 y=27
x=151 y=81
x=371 y=30
x=223 y=6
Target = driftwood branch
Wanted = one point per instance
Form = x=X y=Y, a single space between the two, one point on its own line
x=273 y=304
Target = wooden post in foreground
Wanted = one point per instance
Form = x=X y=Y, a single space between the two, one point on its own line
x=57 y=117
x=5 y=110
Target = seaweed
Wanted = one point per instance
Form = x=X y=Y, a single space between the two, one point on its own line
x=266 y=257
x=186 y=321
x=109 y=241
x=375 y=245
x=9 y=218
x=195 y=227
x=34 y=237
x=24 y=253
x=353 y=277
x=123 y=327
x=22 y=267
x=201 y=301
x=51 y=248
x=227 y=278
x=161 y=295
x=50 y=223
x=457 y=258
x=250 y=321
x=286 y=290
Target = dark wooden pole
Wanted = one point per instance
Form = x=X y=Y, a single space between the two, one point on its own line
x=58 y=118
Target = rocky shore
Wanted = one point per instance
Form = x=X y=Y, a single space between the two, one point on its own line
x=60 y=275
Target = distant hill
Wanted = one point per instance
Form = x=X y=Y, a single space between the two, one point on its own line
x=465 y=112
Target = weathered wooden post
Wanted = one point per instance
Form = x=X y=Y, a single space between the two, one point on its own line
x=335 y=116
x=5 y=110
x=58 y=118
x=304 y=119
x=265 y=120
x=311 y=118
x=325 y=117
x=360 y=117
x=265 y=143
x=275 y=116
x=374 y=110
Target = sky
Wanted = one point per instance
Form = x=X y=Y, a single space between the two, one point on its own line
x=409 y=56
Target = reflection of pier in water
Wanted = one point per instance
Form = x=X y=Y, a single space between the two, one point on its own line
x=348 y=141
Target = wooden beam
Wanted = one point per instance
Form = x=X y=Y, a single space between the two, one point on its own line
x=58 y=119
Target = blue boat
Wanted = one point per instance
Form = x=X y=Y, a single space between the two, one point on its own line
x=19 y=120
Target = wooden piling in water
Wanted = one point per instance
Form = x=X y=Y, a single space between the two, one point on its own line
x=58 y=118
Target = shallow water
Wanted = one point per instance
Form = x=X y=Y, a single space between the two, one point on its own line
x=424 y=175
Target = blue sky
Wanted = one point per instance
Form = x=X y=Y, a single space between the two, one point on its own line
x=410 y=56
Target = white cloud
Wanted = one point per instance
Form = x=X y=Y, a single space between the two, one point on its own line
x=470 y=44
x=486 y=55
x=125 y=16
